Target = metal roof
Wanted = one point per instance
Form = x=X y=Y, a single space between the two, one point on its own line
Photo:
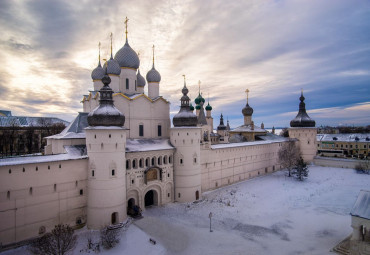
x=23 y=121
x=362 y=205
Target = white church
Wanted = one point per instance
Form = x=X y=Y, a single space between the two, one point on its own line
x=122 y=151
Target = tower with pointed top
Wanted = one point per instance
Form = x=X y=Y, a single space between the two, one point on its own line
x=105 y=143
x=302 y=127
x=112 y=68
x=185 y=136
x=247 y=112
x=222 y=131
x=154 y=78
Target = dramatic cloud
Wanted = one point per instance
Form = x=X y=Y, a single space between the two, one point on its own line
x=273 y=48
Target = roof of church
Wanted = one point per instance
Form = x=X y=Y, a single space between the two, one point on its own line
x=4 y=113
x=362 y=205
x=153 y=75
x=112 y=67
x=343 y=137
x=202 y=117
x=140 y=79
x=76 y=129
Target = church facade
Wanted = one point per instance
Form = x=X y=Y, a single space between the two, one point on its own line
x=121 y=151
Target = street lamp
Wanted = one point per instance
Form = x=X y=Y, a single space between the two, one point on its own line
x=210 y=222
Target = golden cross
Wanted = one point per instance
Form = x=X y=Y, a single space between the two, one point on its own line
x=247 y=91
x=99 y=51
x=153 y=54
x=199 y=86
x=126 y=21
x=111 y=42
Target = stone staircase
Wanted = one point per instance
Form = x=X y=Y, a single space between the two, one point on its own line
x=343 y=247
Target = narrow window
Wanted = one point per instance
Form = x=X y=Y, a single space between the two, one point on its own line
x=179 y=195
x=127 y=164
x=141 y=163
x=168 y=175
x=147 y=162
x=127 y=87
x=37 y=168
x=170 y=159
x=113 y=172
x=60 y=165
x=153 y=161
x=8 y=195
x=135 y=86
x=24 y=170
x=10 y=171
x=81 y=192
x=141 y=130
x=132 y=181
x=159 y=130
x=31 y=190
x=168 y=194
x=93 y=173
x=55 y=187
x=180 y=160
x=49 y=167
x=195 y=160
x=110 y=136
x=95 y=136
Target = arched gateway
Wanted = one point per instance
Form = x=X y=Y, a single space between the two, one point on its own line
x=151 y=198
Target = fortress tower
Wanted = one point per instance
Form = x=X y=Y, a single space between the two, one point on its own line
x=302 y=127
x=185 y=136
x=105 y=142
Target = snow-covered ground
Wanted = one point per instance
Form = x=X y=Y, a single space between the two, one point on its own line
x=271 y=214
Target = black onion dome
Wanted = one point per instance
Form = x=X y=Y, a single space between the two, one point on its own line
x=185 y=117
x=127 y=57
x=302 y=119
x=140 y=79
x=106 y=114
x=112 y=67
x=222 y=125
x=97 y=73
x=153 y=75
x=247 y=110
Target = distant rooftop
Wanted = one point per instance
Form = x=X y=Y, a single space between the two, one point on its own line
x=343 y=137
x=8 y=120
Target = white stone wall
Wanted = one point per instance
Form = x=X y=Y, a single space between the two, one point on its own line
x=306 y=140
x=224 y=166
x=114 y=84
x=41 y=195
x=153 y=89
x=106 y=176
x=130 y=74
x=187 y=175
x=135 y=176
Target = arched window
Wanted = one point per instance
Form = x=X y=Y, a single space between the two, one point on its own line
x=141 y=163
x=147 y=162
x=134 y=165
x=170 y=159
x=165 y=159
x=153 y=161
x=160 y=160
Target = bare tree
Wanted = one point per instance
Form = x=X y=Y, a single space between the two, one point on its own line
x=60 y=241
x=363 y=167
x=110 y=237
x=289 y=154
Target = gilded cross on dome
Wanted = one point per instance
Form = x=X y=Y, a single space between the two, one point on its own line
x=126 y=22
x=199 y=86
x=99 y=50
x=247 y=91
x=111 y=43
x=153 y=54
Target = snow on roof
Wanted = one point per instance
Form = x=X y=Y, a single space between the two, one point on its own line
x=137 y=145
x=248 y=128
x=233 y=145
x=362 y=205
x=23 y=121
x=75 y=130
x=73 y=152
x=343 y=137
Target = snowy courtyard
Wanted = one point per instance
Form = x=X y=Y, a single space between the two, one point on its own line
x=272 y=214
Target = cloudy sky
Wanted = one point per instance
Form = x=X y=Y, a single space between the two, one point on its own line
x=274 y=48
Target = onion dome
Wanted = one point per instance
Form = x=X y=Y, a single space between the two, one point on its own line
x=153 y=75
x=112 y=67
x=208 y=107
x=140 y=80
x=127 y=57
x=97 y=73
x=106 y=114
x=199 y=99
x=302 y=119
x=247 y=110
x=191 y=107
x=185 y=117
x=222 y=125
x=197 y=107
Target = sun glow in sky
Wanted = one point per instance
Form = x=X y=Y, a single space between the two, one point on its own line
x=273 y=48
